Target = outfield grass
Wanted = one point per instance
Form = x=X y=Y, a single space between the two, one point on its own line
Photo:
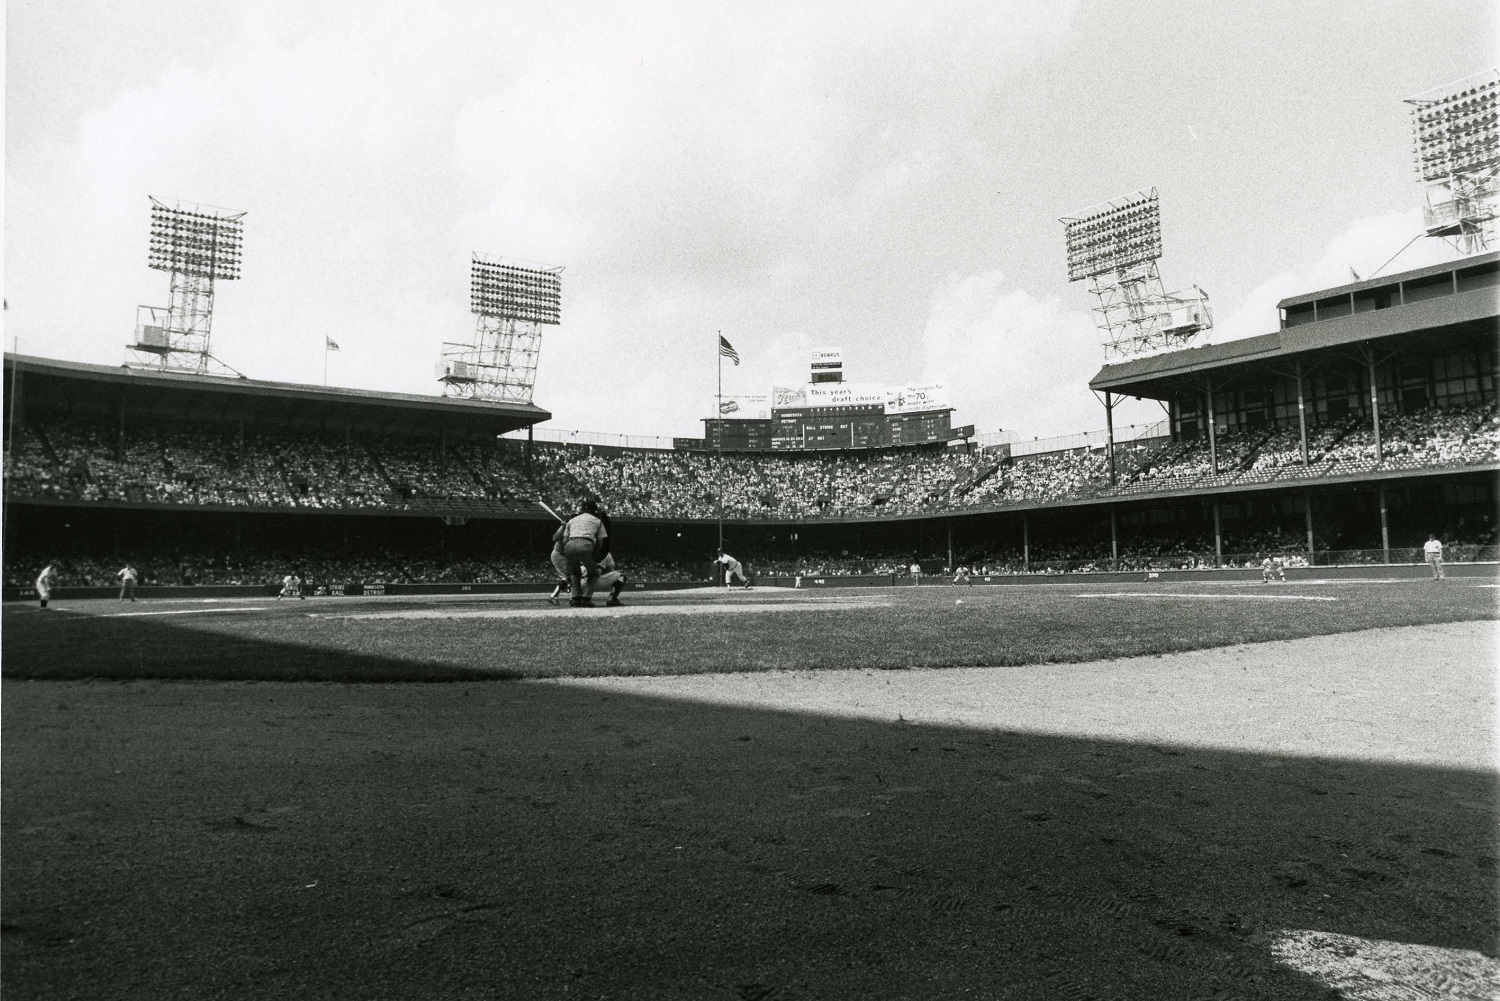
x=897 y=628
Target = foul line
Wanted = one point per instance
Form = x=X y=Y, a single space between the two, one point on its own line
x=1212 y=597
x=603 y=612
x=175 y=611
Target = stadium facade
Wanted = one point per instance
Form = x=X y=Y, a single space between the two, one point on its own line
x=1366 y=421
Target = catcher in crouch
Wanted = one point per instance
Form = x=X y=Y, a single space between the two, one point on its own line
x=610 y=576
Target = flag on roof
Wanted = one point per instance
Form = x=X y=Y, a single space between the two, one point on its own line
x=727 y=350
x=329 y=344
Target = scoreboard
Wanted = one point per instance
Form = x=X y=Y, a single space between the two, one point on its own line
x=821 y=428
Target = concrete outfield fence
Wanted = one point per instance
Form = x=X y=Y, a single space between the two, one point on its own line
x=1414 y=571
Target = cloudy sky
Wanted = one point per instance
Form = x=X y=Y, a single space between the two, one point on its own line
x=885 y=178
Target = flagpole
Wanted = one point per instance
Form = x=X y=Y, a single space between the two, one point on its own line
x=325 y=360
x=10 y=439
x=719 y=464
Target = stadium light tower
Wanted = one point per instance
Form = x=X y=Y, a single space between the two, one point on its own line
x=1115 y=245
x=1456 y=147
x=511 y=300
x=196 y=245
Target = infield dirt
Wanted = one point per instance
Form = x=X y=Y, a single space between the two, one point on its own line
x=923 y=834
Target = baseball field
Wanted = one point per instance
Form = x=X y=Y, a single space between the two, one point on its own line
x=1194 y=790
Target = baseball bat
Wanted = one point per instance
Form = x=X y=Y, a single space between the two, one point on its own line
x=551 y=512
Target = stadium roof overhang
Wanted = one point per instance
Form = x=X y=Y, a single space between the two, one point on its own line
x=1425 y=325
x=75 y=386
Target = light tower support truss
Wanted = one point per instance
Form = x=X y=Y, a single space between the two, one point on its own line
x=197 y=246
x=1115 y=246
x=511 y=301
x=1456 y=150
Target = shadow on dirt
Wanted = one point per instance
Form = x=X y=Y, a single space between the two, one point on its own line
x=256 y=840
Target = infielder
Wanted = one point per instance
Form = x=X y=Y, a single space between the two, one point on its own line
x=127 y=578
x=291 y=587
x=732 y=570
x=44 y=583
x=1432 y=550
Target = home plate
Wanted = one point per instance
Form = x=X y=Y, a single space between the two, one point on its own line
x=619 y=612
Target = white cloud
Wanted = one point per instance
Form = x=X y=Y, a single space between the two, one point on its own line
x=793 y=174
x=1364 y=246
x=1023 y=363
x=1016 y=361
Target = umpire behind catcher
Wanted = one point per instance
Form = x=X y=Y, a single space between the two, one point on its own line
x=586 y=540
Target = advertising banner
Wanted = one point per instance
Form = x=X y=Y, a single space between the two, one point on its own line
x=745 y=407
x=788 y=396
x=914 y=399
x=846 y=394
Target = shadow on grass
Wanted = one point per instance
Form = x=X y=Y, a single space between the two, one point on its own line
x=544 y=840
x=59 y=646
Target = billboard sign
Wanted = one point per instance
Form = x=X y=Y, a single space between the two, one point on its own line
x=745 y=407
x=788 y=396
x=915 y=399
x=846 y=394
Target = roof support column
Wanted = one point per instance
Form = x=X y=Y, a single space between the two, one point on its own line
x=951 y=564
x=1307 y=518
x=1109 y=433
x=530 y=436
x=120 y=431
x=1385 y=527
x=1025 y=543
x=1114 y=539
x=1374 y=404
x=1302 y=414
x=1218 y=536
x=1213 y=440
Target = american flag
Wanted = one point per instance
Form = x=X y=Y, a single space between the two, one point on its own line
x=329 y=344
x=727 y=350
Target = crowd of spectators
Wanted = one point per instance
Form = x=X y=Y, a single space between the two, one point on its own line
x=268 y=566
x=1433 y=436
x=1082 y=553
x=74 y=458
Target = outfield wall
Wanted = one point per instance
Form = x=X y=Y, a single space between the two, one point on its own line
x=1364 y=571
